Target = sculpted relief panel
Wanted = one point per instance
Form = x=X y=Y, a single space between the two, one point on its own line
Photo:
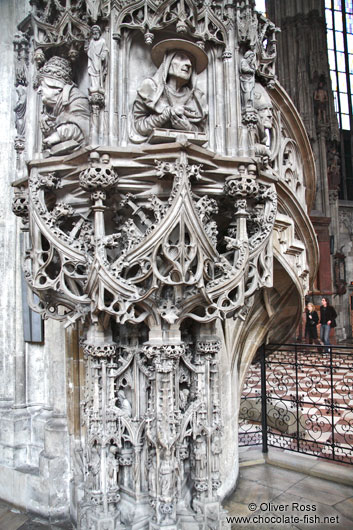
x=151 y=205
x=170 y=99
x=65 y=119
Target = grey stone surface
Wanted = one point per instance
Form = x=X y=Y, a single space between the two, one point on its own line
x=316 y=489
x=290 y=497
x=11 y=521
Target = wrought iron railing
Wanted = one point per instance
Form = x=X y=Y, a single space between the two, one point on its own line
x=300 y=398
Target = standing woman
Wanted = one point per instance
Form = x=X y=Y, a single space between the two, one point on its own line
x=327 y=320
x=312 y=320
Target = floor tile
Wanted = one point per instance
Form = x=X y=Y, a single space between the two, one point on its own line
x=320 y=490
x=346 y=508
x=12 y=521
x=272 y=476
x=249 y=491
x=32 y=525
x=237 y=508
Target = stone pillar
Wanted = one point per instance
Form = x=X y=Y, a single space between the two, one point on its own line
x=321 y=225
x=99 y=509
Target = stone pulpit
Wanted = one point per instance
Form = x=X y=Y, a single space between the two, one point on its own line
x=163 y=179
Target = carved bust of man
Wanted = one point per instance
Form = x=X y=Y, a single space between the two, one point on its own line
x=264 y=109
x=65 y=122
x=170 y=99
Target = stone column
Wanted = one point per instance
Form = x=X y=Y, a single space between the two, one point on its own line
x=163 y=430
x=207 y=428
x=99 y=509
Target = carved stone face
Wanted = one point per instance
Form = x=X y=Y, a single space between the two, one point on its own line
x=266 y=116
x=96 y=33
x=250 y=57
x=181 y=66
x=49 y=91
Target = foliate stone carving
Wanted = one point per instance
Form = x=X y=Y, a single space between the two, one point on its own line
x=20 y=205
x=104 y=350
x=267 y=50
x=51 y=181
x=100 y=176
x=66 y=118
x=242 y=185
x=60 y=23
x=170 y=99
x=208 y=347
x=206 y=21
x=169 y=351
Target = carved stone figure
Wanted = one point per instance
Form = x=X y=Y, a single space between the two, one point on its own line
x=66 y=119
x=97 y=53
x=264 y=110
x=112 y=466
x=95 y=467
x=39 y=57
x=166 y=475
x=200 y=457
x=170 y=99
x=124 y=404
x=247 y=79
x=183 y=398
x=216 y=451
x=20 y=109
x=152 y=474
x=333 y=167
x=321 y=102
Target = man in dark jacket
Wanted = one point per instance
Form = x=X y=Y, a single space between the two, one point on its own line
x=327 y=320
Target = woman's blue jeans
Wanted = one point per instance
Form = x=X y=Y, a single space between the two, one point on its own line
x=325 y=333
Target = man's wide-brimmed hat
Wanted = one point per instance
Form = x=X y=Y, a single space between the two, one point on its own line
x=158 y=52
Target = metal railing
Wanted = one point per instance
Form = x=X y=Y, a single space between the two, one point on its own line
x=299 y=397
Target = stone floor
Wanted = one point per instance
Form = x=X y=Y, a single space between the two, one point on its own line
x=269 y=494
x=13 y=519
x=272 y=496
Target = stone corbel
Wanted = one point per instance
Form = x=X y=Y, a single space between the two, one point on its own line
x=292 y=249
x=20 y=204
